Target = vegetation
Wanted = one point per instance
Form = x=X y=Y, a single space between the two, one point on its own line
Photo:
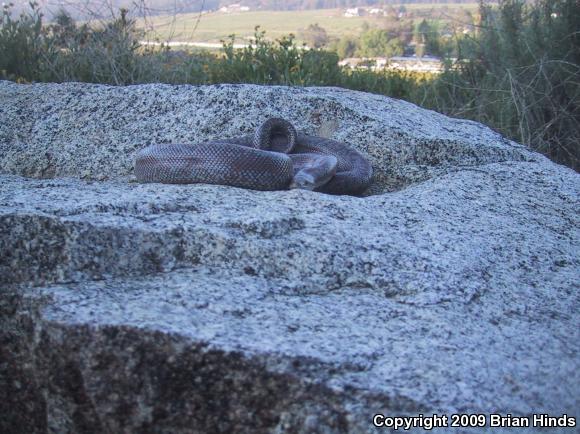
x=161 y=7
x=216 y=25
x=396 y=35
x=332 y=4
x=315 y=36
x=519 y=73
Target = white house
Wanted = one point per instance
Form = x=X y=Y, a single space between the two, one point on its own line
x=401 y=63
x=353 y=12
x=234 y=7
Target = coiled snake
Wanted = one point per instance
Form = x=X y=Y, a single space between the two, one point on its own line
x=276 y=157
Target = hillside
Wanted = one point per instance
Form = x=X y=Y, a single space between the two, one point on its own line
x=102 y=8
x=214 y=26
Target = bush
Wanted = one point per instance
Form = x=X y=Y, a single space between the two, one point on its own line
x=21 y=45
x=315 y=36
x=278 y=62
x=520 y=74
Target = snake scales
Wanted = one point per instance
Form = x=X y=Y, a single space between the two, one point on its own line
x=276 y=157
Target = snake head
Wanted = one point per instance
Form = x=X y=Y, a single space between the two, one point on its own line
x=312 y=171
x=304 y=181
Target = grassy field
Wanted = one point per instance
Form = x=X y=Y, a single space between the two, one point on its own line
x=214 y=26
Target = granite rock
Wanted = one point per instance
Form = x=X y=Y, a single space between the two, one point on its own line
x=195 y=308
x=93 y=131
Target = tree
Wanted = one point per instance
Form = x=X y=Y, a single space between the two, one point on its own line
x=315 y=36
x=378 y=43
x=346 y=47
x=426 y=37
x=373 y=43
x=395 y=47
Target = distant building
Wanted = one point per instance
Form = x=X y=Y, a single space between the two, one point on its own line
x=372 y=63
x=355 y=63
x=346 y=62
x=401 y=63
x=234 y=7
x=377 y=11
x=380 y=63
x=353 y=12
x=417 y=64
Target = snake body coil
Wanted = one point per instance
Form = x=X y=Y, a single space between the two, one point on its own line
x=274 y=158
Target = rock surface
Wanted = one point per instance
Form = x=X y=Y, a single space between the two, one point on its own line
x=93 y=131
x=159 y=308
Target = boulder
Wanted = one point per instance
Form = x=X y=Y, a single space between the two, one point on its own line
x=450 y=288
x=92 y=132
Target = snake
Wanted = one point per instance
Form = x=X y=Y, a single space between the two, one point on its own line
x=275 y=157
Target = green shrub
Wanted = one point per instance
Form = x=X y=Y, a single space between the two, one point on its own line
x=101 y=55
x=521 y=75
x=21 y=44
x=278 y=62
